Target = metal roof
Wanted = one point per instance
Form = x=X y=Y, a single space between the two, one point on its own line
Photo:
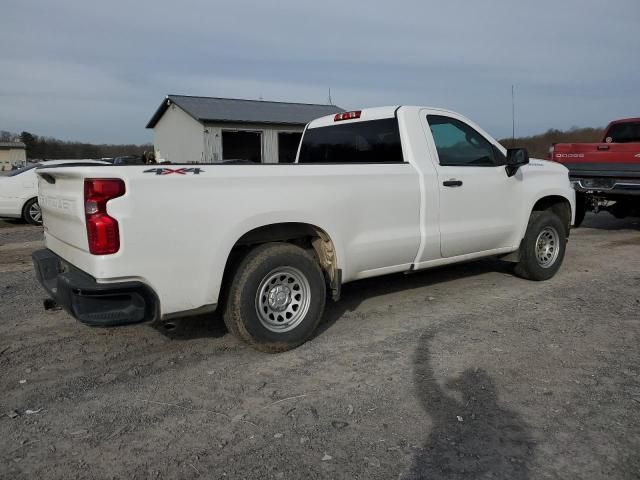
x=211 y=109
x=12 y=145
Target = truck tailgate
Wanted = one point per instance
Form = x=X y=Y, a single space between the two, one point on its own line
x=599 y=159
x=61 y=198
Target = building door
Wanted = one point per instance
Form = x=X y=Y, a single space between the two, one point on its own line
x=288 y=146
x=242 y=145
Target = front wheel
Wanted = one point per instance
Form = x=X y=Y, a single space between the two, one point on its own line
x=276 y=297
x=31 y=212
x=543 y=247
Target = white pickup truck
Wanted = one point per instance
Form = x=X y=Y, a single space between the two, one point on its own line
x=372 y=192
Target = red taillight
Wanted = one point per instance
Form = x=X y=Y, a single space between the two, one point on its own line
x=347 y=115
x=102 y=230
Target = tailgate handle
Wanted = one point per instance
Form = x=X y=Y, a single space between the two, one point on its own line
x=452 y=183
x=603 y=147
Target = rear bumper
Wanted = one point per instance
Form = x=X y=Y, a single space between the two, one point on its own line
x=611 y=186
x=93 y=303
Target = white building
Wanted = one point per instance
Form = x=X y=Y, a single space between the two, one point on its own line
x=211 y=130
x=12 y=153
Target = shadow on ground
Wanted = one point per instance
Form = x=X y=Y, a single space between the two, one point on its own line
x=188 y=328
x=472 y=436
x=12 y=222
x=353 y=294
x=606 y=221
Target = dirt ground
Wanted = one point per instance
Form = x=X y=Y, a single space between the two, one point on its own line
x=461 y=372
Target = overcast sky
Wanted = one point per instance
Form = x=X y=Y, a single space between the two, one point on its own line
x=96 y=71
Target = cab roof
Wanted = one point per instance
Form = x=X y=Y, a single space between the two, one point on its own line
x=625 y=120
x=366 y=114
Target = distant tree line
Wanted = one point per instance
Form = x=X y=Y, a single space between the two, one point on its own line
x=52 y=148
x=538 y=145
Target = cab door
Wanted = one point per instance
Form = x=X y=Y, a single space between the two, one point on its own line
x=479 y=202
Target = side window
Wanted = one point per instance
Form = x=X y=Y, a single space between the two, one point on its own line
x=373 y=141
x=460 y=145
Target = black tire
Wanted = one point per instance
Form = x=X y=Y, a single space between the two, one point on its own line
x=581 y=209
x=541 y=226
x=241 y=308
x=28 y=212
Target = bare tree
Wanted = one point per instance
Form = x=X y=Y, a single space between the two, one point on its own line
x=6 y=136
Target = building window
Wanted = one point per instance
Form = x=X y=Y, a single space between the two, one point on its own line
x=288 y=146
x=242 y=145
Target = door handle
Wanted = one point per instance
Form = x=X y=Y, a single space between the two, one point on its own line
x=452 y=183
x=603 y=147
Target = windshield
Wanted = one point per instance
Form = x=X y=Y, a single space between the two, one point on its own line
x=21 y=170
x=624 y=132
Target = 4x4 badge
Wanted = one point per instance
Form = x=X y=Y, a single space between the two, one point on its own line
x=169 y=171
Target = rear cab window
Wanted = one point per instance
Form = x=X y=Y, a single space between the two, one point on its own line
x=624 y=132
x=371 y=141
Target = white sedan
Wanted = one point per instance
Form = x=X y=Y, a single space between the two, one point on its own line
x=19 y=192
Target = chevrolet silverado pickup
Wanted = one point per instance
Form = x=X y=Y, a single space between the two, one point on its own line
x=372 y=192
x=606 y=175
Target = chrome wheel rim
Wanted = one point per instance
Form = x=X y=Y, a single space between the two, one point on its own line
x=35 y=213
x=282 y=299
x=547 y=247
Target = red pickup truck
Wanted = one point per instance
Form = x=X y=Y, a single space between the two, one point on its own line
x=606 y=175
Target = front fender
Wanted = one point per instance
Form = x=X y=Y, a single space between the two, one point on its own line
x=553 y=194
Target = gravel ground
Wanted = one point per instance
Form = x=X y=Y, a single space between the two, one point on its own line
x=460 y=372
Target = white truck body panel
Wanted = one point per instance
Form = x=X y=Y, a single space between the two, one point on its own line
x=177 y=230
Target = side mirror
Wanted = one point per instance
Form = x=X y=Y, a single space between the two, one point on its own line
x=516 y=157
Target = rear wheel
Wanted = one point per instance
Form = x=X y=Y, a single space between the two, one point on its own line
x=543 y=247
x=31 y=212
x=276 y=297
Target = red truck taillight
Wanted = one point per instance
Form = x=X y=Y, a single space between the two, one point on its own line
x=102 y=230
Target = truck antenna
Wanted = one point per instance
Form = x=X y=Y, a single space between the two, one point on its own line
x=513 y=116
x=329 y=99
